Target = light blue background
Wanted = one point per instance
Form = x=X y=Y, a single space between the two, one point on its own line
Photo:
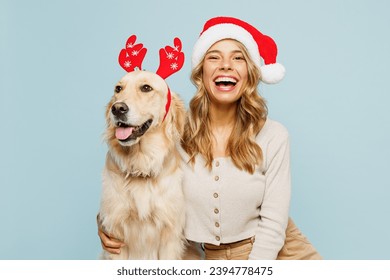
x=58 y=69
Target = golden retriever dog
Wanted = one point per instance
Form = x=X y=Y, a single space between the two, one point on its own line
x=142 y=202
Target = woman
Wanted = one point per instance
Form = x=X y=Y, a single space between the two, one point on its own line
x=235 y=160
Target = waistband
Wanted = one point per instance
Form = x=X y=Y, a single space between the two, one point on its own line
x=222 y=246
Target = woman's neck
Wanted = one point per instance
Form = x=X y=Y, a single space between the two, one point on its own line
x=222 y=120
x=222 y=116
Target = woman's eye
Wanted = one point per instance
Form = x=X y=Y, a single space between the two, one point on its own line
x=146 y=88
x=239 y=58
x=118 y=89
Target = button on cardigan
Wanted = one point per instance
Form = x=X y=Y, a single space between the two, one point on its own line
x=225 y=204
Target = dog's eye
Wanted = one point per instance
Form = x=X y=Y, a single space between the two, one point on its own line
x=118 y=89
x=146 y=88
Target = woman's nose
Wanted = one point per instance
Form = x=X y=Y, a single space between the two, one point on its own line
x=226 y=64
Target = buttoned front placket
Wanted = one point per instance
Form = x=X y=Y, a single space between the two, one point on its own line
x=216 y=200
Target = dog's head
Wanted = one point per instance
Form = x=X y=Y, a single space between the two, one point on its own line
x=142 y=99
x=138 y=105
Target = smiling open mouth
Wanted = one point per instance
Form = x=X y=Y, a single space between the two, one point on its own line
x=126 y=132
x=225 y=81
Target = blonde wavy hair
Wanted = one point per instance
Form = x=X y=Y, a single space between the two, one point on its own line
x=251 y=115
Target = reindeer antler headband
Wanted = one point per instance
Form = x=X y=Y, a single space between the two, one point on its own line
x=171 y=60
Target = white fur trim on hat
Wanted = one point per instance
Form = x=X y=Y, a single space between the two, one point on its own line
x=224 y=31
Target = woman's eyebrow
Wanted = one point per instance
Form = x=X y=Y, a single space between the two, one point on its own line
x=218 y=51
x=213 y=51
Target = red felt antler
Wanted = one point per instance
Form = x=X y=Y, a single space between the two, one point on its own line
x=132 y=55
x=171 y=59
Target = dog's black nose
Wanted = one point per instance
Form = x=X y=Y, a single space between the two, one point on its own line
x=119 y=109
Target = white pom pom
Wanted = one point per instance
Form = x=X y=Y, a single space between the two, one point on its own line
x=272 y=73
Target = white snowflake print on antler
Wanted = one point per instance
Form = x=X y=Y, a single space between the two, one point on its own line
x=174 y=66
x=127 y=64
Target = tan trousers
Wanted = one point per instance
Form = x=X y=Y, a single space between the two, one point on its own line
x=296 y=247
x=232 y=251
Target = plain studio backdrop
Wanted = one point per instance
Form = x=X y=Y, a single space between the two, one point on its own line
x=58 y=71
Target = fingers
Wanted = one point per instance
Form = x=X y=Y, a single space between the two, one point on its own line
x=109 y=241
x=111 y=250
x=109 y=244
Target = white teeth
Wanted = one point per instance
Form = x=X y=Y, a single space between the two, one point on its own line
x=225 y=79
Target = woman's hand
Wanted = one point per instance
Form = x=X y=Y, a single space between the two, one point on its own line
x=109 y=243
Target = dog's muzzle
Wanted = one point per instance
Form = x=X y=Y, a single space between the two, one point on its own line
x=124 y=131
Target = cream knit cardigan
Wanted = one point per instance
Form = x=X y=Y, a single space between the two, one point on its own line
x=227 y=204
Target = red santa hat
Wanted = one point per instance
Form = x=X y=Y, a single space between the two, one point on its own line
x=261 y=48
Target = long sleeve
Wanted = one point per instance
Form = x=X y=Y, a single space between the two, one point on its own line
x=273 y=212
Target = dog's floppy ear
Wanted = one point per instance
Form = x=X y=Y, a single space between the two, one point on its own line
x=177 y=115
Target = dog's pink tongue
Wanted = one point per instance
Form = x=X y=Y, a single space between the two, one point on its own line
x=123 y=133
